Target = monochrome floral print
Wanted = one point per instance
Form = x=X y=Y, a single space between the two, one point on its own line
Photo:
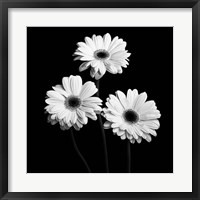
x=131 y=116
x=102 y=54
x=71 y=104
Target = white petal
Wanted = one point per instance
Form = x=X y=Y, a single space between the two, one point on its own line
x=53 y=101
x=84 y=66
x=90 y=105
x=82 y=54
x=60 y=89
x=91 y=115
x=120 y=47
x=90 y=43
x=78 y=58
x=83 y=120
x=99 y=42
x=121 y=132
x=95 y=64
x=93 y=72
x=98 y=110
x=62 y=114
x=53 y=117
x=131 y=97
x=61 y=122
x=76 y=127
x=115 y=102
x=110 y=67
x=53 y=122
x=107 y=40
x=153 y=124
x=113 y=43
x=67 y=117
x=119 y=56
x=115 y=130
x=66 y=85
x=132 y=131
x=132 y=141
x=122 y=98
x=152 y=132
x=102 y=69
x=86 y=109
x=144 y=129
x=138 y=131
x=82 y=116
x=123 y=126
x=97 y=76
x=94 y=38
x=123 y=137
x=84 y=48
x=150 y=116
x=113 y=118
x=128 y=136
x=67 y=127
x=73 y=117
x=140 y=100
x=139 y=140
x=75 y=84
x=48 y=108
x=112 y=110
x=148 y=137
x=57 y=108
x=80 y=113
x=93 y=100
x=146 y=106
x=55 y=95
x=79 y=124
x=115 y=125
x=152 y=111
x=119 y=70
x=87 y=58
x=88 y=89
x=107 y=125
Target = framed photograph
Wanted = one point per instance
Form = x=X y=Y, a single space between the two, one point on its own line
x=99 y=99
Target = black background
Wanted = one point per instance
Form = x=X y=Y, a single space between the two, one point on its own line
x=49 y=59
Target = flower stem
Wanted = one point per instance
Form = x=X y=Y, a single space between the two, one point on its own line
x=78 y=152
x=103 y=134
x=128 y=156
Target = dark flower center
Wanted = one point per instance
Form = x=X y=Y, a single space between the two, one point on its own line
x=101 y=54
x=72 y=102
x=131 y=116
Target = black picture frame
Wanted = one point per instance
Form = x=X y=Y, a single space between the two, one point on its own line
x=6 y=4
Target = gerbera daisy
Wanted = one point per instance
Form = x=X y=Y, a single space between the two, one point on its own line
x=71 y=104
x=102 y=54
x=131 y=116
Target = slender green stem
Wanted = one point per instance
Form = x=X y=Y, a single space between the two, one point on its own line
x=103 y=134
x=128 y=156
x=78 y=151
